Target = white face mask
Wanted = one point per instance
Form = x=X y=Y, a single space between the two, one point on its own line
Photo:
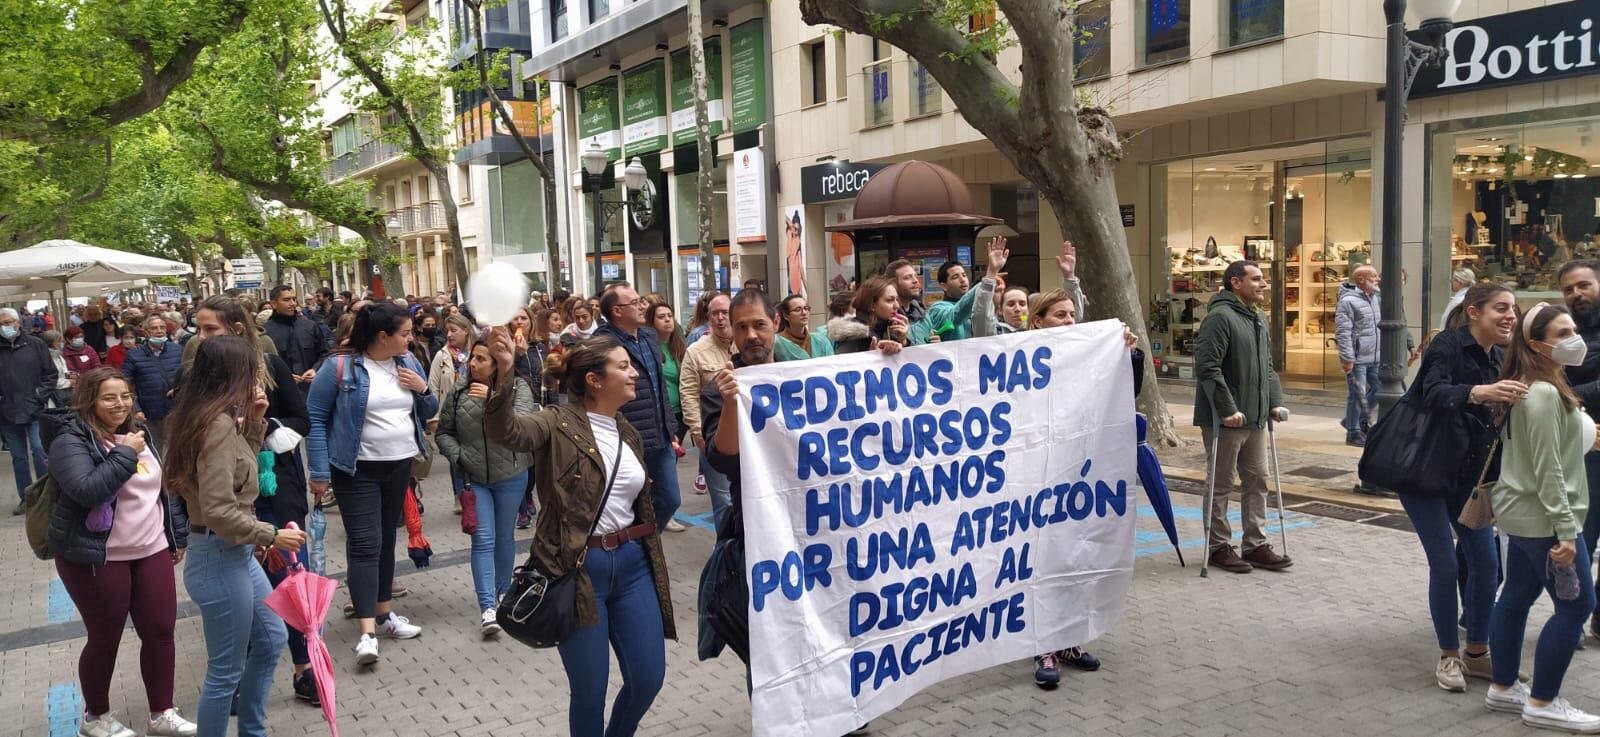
x=1569 y=352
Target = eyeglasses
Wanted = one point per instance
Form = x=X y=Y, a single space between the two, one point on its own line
x=719 y=313
x=640 y=302
x=801 y=308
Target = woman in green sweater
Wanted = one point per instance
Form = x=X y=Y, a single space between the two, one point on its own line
x=1539 y=503
x=660 y=318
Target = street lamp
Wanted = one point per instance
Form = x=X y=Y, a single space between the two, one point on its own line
x=1405 y=58
x=635 y=179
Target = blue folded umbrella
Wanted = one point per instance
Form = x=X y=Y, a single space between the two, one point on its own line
x=1155 y=487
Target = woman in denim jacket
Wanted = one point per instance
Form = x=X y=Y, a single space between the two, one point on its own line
x=368 y=412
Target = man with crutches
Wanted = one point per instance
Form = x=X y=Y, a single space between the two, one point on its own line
x=1237 y=394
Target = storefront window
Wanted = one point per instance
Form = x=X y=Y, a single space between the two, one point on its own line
x=686 y=236
x=1164 y=30
x=1091 y=56
x=1515 y=199
x=1248 y=21
x=1302 y=213
x=927 y=97
x=613 y=265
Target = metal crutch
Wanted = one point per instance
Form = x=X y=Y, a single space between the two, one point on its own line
x=1211 y=483
x=1277 y=481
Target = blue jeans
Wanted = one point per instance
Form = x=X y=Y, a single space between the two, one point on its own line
x=1591 y=522
x=662 y=467
x=243 y=637
x=630 y=619
x=1362 y=383
x=494 y=545
x=1526 y=578
x=17 y=437
x=719 y=487
x=1435 y=522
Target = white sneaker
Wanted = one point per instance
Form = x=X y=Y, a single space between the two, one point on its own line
x=398 y=628
x=1509 y=701
x=1558 y=714
x=1451 y=674
x=105 y=726
x=171 y=724
x=366 y=650
x=489 y=626
x=675 y=526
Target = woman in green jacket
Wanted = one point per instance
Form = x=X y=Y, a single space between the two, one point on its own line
x=795 y=342
x=493 y=475
x=665 y=323
x=1539 y=503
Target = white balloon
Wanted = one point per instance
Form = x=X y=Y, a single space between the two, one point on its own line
x=496 y=292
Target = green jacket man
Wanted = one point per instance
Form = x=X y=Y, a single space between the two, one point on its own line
x=1233 y=360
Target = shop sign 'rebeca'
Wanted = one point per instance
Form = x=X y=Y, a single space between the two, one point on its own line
x=1536 y=45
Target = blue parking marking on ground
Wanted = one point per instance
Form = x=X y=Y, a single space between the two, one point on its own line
x=704 y=520
x=63 y=708
x=1162 y=545
x=61 y=606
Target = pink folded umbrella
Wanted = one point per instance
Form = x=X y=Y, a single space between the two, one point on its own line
x=302 y=600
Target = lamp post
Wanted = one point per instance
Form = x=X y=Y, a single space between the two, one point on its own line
x=1405 y=59
x=633 y=178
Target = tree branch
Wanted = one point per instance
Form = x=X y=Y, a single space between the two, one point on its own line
x=157 y=84
x=976 y=85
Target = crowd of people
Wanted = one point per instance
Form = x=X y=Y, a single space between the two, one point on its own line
x=203 y=435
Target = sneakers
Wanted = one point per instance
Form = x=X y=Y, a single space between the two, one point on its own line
x=1263 y=557
x=398 y=590
x=1356 y=439
x=1045 y=673
x=1228 y=560
x=1451 y=674
x=367 y=650
x=105 y=726
x=1510 y=700
x=675 y=526
x=396 y=627
x=700 y=484
x=305 y=689
x=489 y=626
x=1078 y=658
x=524 y=520
x=1558 y=714
x=170 y=724
x=17 y=511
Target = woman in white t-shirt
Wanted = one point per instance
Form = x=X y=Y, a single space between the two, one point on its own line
x=368 y=412
x=595 y=514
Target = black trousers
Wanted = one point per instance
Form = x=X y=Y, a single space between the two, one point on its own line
x=371 y=503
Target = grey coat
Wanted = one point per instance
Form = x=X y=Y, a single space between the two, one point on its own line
x=463 y=439
x=1356 y=325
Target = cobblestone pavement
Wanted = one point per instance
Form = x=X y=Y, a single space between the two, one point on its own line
x=1339 y=646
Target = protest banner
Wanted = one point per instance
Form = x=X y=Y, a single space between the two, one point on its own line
x=913 y=518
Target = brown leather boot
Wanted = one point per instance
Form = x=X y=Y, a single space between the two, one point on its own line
x=1228 y=560
x=1264 y=557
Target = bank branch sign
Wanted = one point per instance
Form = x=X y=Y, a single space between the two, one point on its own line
x=1542 y=44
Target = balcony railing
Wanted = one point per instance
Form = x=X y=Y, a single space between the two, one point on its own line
x=370 y=154
x=419 y=218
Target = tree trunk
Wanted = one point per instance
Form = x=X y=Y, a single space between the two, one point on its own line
x=452 y=221
x=384 y=254
x=702 y=139
x=269 y=265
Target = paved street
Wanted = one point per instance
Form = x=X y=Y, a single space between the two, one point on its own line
x=1339 y=646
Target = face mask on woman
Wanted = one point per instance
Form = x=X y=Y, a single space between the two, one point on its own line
x=1570 y=351
x=130 y=343
x=76 y=343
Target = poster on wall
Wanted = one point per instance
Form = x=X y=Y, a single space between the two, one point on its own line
x=928 y=261
x=747 y=70
x=841 y=261
x=644 y=108
x=683 y=93
x=597 y=118
x=794 y=250
x=749 y=196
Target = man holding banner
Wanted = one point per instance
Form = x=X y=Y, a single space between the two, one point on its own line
x=899 y=532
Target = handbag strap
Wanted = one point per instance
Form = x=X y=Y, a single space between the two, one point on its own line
x=610 y=481
x=1484 y=474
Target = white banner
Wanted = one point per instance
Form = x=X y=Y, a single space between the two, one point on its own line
x=916 y=518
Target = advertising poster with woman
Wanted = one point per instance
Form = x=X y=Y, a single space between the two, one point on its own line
x=794 y=252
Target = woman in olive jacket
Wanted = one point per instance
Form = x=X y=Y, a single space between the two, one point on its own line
x=588 y=464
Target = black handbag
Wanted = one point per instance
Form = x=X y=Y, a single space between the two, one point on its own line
x=1415 y=450
x=540 y=610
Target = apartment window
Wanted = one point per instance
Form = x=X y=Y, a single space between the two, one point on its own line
x=599 y=9
x=1248 y=21
x=346 y=137
x=1091 y=55
x=814 y=70
x=840 y=83
x=876 y=84
x=558 y=19
x=1163 y=30
x=927 y=97
x=881 y=50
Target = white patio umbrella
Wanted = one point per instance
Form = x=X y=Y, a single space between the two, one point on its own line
x=52 y=265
